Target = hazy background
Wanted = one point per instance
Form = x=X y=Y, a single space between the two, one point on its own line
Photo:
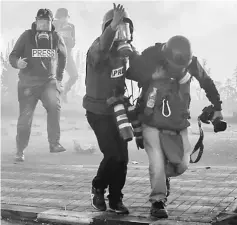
x=210 y=25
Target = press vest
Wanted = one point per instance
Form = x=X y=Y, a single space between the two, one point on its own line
x=103 y=80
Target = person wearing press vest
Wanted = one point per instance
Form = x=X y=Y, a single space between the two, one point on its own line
x=164 y=72
x=106 y=66
x=67 y=31
x=40 y=76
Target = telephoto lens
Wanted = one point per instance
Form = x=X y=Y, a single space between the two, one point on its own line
x=124 y=127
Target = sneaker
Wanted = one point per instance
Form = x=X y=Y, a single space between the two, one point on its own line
x=97 y=199
x=168 y=186
x=118 y=207
x=19 y=157
x=56 y=148
x=158 y=210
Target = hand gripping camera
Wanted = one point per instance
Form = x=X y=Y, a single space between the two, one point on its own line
x=207 y=115
x=120 y=114
x=136 y=125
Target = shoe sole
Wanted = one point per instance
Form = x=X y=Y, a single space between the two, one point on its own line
x=102 y=210
x=160 y=216
x=58 y=151
x=19 y=160
x=118 y=212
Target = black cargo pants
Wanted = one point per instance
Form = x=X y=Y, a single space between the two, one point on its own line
x=28 y=97
x=113 y=168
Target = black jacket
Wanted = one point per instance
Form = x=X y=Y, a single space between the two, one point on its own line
x=143 y=67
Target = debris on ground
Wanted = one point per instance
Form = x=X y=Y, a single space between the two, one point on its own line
x=86 y=149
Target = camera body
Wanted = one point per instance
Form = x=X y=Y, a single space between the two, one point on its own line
x=136 y=124
x=133 y=112
x=207 y=115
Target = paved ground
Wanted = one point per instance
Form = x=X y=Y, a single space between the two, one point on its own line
x=60 y=183
x=197 y=196
x=220 y=148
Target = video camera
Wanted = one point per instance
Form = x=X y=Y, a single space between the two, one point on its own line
x=207 y=115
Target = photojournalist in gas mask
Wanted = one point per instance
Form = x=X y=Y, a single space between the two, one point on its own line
x=40 y=54
x=106 y=67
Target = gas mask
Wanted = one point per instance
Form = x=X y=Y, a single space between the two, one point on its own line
x=43 y=33
x=122 y=38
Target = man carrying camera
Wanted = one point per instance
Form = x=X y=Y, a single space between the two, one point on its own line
x=106 y=66
x=164 y=72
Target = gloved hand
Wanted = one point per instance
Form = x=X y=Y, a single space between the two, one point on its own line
x=21 y=63
x=139 y=142
x=118 y=16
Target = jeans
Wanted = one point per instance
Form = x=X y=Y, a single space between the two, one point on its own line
x=112 y=170
x=159 y=169
x=28 y=97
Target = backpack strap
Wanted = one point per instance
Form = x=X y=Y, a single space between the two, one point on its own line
x=199 y=144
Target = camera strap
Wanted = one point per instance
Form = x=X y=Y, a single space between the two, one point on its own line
x=199 y=145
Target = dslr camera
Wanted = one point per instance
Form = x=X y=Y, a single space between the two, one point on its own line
x=207 y=115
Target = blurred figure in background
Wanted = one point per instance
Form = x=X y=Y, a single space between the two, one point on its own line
x=67 y=31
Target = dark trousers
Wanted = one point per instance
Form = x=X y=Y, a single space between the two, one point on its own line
x=113 y=168
x=72 y=73
x=28 y=97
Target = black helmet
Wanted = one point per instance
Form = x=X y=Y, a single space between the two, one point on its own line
x=178 y=52
x=108 y=17
x=45 y=14
x=61 y=12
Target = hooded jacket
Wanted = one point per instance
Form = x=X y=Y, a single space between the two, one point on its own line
x=35 y=73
